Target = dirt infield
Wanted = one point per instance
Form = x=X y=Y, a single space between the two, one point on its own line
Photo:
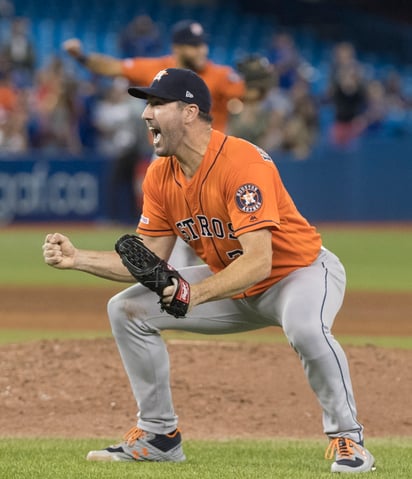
x=79 y=389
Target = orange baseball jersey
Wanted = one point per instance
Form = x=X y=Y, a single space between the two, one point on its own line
x=236 y=189
x=223 y=82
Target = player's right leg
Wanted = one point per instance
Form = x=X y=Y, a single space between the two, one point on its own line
x=136 y=321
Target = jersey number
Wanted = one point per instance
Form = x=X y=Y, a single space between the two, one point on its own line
x=234 y=253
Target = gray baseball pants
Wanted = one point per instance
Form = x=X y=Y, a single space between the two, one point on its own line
x=304 y=305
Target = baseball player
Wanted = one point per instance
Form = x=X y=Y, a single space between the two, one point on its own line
x=264 y=265
x=189 y=50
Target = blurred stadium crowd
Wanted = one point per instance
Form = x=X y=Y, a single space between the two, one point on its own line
x=293 y=100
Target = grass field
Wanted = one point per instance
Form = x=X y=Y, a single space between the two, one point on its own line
x=376 y=259
x=283 y=459
x=24 y=265
x=264 y=459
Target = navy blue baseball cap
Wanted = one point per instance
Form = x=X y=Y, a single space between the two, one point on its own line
x=188 y=32
x=177 y=84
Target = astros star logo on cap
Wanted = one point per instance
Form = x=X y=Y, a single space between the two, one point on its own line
x=160 y=75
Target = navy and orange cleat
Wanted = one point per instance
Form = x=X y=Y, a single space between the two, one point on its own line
x=350 y=456
x=141 y=445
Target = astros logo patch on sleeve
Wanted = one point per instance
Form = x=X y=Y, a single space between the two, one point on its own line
x=248 y=198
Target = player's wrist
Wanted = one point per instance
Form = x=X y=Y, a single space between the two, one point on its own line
x=82 y=58
x=195 y=296
x=79 y=259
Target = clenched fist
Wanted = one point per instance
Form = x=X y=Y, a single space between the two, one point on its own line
x=58 y=251
x=73 y=47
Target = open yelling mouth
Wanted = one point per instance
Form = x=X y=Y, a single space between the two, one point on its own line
x=156 y=134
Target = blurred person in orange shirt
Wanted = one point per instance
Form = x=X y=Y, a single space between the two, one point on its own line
x=8 y=94
x=189 y=50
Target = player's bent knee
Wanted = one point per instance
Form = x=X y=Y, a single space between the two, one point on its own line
x=126 y=308
x=114 y=311
x=117 y=312
x=304 y=337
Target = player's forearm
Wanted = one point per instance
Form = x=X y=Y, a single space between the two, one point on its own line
x=234 y=279
x=105 y=264
x=101 y=64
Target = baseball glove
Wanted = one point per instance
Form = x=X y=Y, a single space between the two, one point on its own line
x=154 y=273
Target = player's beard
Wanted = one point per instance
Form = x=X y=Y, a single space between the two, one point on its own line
x=167 y=144
x=191 y=64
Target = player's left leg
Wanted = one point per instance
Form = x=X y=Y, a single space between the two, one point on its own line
x=315 y=295
x=306 y=305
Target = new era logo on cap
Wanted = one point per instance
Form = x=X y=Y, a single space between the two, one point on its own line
x=177 y=84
